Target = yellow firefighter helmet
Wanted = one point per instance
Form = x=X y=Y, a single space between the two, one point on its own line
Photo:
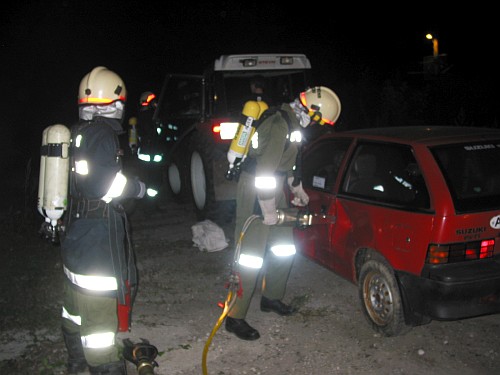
x=322 y=103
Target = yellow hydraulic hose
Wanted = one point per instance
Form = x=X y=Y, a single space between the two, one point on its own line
x=231 y=295
x=227 y=306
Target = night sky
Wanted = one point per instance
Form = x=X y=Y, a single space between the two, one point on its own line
x=46 y=47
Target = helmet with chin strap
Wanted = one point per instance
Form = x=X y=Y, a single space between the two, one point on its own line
x=147 y=98
x=102 y=92
x=322 y=104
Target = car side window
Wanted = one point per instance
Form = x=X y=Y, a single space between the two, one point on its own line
x=387 y=173
x=321 y=165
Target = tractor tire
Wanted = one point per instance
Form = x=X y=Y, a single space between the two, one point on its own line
x=178 y=177
x=202 y=159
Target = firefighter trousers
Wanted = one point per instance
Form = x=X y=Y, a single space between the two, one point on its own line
x=257 y=243
x=87 y=315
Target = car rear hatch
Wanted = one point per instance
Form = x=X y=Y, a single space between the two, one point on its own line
x=461 y=273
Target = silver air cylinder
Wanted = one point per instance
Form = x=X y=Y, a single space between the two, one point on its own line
x=54 y=172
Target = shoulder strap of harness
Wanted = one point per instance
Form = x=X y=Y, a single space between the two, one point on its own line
x=271 y=111
x=249 y=164
x=297 y=173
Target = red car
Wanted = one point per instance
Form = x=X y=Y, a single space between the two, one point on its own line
x=411 y=215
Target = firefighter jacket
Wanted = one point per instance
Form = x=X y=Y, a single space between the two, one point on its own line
x=275 y=148
x=150 y=142
x=96 y=256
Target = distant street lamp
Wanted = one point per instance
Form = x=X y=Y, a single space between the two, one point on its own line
x=434 y=44
x=435 y=65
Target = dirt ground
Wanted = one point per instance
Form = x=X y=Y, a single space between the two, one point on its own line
x=176 y=310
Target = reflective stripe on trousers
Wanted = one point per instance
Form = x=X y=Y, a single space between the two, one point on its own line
x=96 y=283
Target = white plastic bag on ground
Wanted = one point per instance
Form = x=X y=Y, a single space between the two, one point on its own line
x=208 y=236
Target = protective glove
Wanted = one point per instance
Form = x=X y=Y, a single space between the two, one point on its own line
x=300 y=197
x=268 y=208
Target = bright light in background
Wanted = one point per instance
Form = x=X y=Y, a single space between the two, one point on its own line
x=434 y=44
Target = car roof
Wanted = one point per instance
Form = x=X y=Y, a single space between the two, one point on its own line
x=428 y=135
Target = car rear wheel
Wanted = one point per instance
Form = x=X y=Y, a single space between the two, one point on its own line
x=380 y=299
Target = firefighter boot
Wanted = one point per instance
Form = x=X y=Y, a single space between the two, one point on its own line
x=114 y=368
x=241 y=329
x=275 y=305
x=76 y=358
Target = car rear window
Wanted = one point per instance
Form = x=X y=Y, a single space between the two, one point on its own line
x=472 y=172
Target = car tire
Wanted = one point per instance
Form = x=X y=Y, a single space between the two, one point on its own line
x=380 y=298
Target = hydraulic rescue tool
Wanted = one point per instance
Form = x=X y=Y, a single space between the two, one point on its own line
x=301 y=218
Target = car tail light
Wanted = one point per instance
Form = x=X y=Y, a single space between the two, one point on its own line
x=226 y=130
x=459 y=252
x=216 y=129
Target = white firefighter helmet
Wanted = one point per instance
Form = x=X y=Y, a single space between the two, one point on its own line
x=147 y=98
x=102 y=92
x=322 y=103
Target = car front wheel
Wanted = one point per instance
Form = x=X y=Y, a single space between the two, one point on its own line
x=380 y=299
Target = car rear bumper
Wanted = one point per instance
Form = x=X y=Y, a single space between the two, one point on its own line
x=452 y=292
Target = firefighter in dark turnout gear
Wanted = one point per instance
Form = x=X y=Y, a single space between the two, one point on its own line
x=149 y=139
x=269 y=165
x=98 y=261
x=151 y=147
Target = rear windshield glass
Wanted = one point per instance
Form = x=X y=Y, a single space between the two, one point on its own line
x=472 y=171
x=277 y=87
